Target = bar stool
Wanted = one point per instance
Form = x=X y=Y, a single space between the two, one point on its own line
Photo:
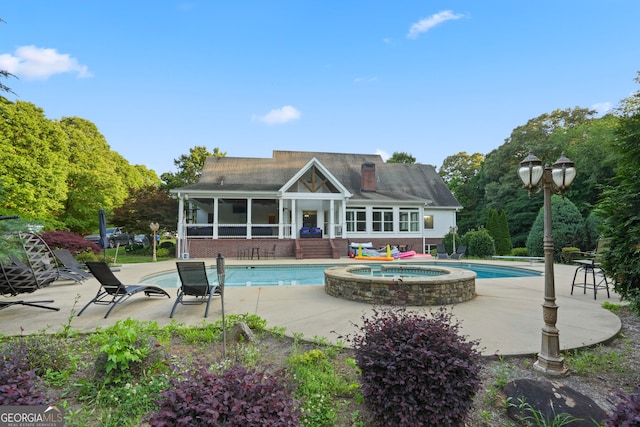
x=591 y=271
x=255 y=252
x=242 y=253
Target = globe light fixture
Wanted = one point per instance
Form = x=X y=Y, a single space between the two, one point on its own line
x=154 y=226
x=557 y=178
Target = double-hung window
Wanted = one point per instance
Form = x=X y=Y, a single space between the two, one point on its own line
x=409 y=220
x=356 y=219
x=382 y=219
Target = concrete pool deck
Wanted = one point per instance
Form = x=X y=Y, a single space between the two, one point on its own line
x=505 y=316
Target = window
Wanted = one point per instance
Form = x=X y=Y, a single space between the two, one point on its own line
x=428 y=222
x=356 y=219
x=382 y=219
x=409 y=220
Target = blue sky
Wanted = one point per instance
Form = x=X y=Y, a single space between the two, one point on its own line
x=431 y=78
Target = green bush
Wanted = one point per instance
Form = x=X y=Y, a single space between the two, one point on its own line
x=569 y=254
x=479 y=243
x=520 y=252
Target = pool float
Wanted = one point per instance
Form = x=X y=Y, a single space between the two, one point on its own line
x=406 y=254
x=375 y=258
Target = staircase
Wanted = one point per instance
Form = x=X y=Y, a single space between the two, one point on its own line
x=315 y=248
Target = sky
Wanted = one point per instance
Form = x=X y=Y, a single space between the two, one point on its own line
x=428 y=78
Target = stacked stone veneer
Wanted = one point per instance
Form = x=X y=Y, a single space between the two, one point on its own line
x=435 y=286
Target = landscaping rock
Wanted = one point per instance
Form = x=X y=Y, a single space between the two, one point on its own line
x=241 y=332
x=552 y=398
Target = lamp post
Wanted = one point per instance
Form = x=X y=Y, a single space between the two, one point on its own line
x=557 y=178
x=154 y=227
x=453 y=230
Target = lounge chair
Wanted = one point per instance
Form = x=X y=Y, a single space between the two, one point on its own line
x=112 y=291
x=442 y=252
x=193 y=276
x=71 y=265
x=459 y=252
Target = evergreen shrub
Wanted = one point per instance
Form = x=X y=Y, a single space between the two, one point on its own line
x=416 y=368
x=479 y=243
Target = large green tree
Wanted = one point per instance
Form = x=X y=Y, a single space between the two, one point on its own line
x=34 y=163
x=620 y=206
x=189 y=166
x=401 y=157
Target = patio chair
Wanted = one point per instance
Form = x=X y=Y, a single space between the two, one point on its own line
x=28 y=270
x=593 y=276
x=70 y=264
x=459 y=252
x=442 y=252
x=195 y=283
x=112 y=291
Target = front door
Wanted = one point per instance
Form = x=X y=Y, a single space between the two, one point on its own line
x=310 y=219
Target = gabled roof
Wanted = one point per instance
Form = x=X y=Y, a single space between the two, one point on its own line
x=394 y=181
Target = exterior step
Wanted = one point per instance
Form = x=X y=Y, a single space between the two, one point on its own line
x=316 y=248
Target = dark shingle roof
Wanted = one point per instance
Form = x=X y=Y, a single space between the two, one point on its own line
x=394 y=181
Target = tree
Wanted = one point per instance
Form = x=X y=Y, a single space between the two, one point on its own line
x=401 y=157
x=568 y=228
x=189 y=167
x=34 y=163
x=619 y=207
x=499 y=229
x=144 y=206
x=458 y=169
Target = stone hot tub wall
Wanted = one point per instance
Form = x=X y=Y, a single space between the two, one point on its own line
x=442 y=285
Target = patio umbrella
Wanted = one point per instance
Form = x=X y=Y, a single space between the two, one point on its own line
x=102 y=225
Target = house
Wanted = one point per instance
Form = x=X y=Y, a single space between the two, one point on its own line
x=309 y=204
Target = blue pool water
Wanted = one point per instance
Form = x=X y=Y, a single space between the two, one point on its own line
x=293 y=275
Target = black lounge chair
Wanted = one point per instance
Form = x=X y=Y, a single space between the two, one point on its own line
x=71 y=265
x=112 y=291
x=193 y=276
x=442 y=252
x=459 y=252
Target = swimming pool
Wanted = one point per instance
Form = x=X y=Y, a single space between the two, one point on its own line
x=294 y=275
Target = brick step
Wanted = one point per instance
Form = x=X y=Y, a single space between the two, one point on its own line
x=316 y=248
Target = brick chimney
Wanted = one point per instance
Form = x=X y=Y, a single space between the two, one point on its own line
x=368 y=177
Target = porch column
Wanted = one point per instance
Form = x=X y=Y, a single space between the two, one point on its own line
x=332 y=225
x=181 y=227
x=249 y=203
x=343 y=220
x=215 y=217
x=280 y=217
x=294 y=214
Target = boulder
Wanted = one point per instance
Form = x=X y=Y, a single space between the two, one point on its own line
x=551 y=398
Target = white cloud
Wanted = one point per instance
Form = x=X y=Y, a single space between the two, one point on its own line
x=385 y=156
x=426 y=24
x=602 y=107
x=33 y=62
x=281 y=115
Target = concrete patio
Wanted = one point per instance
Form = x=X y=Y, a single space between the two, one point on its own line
x=505 y=316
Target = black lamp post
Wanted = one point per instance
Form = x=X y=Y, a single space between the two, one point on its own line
x=557 y=178
x=221 y=270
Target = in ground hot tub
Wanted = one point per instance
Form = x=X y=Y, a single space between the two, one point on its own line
x=401 y=284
